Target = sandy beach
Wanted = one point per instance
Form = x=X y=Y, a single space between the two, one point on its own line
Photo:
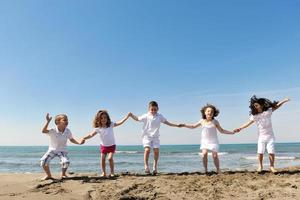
x=228 y=185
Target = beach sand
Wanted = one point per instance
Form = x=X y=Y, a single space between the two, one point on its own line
x=228 y=185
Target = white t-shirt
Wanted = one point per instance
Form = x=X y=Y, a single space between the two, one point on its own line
x=107 y=136
x=151 y=124
x=58 y=140
x=264 y=125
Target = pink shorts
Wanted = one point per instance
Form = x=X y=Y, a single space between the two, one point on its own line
x=108 y=149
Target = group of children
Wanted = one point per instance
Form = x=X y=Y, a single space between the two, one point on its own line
x=260 y=113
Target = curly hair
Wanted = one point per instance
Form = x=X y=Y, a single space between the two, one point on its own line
x=263 y=102
x=216 y=111
x=97 y=120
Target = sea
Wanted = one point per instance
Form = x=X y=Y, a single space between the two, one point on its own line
x=129 y=158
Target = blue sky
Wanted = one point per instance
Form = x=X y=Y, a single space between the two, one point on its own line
x=77 y=57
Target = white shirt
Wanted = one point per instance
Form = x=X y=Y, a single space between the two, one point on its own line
x=151 y=124
x=58 y=140
x=209 y=133
x=107 y=136
x=264 y=125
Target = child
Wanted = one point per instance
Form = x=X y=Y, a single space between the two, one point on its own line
x=104 y=127
x=58 y=144
x=261 y=110
x=209 y=137
x=150 y=131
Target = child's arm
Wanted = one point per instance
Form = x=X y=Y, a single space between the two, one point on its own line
x=244 y=126
x=76 y=142
x=221 y=130
x=122 y=120
x=45 y=128
x=191 y=126
x=171 y=124
x=134 y=117
x=280 y=103
x=90 y=135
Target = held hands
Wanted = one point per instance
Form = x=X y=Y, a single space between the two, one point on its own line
x=129 y=115
x=82 y=141
x=237 y=130
x=48 y=118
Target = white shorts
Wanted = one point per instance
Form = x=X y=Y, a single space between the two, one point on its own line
x=151 y=142
x=262 y=145
x=47 y=157
x=212 y=147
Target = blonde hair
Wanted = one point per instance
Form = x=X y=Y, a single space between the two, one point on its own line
x=59 y=117
x=97 y=120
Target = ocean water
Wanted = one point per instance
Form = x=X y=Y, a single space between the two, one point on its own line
x=173 y=158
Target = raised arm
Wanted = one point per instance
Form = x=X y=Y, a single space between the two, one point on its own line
x=221 y=130
x=280 y=103
x=122 y=120
x=191 y=126
x=244 y=126
x=134 y=117
x=48 y=120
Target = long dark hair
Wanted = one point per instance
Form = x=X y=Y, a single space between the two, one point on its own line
x=263 y=102
x=97 y=120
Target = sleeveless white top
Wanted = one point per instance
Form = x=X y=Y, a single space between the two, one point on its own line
x=209 y=133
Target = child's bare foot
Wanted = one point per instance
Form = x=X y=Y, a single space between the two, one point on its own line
x=259 y=169
x=273 y=170
x=103 y=174
x=112 y=175
x=64 y=176
x=47 y=178
x=147 y=170
x=154 y=172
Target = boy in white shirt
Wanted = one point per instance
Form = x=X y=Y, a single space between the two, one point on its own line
x=58 y=144
x=150 y=130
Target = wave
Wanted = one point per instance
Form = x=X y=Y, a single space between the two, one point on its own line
x=128 y=152
x=276 y=157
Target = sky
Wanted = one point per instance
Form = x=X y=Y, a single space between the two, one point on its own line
x=77 y=57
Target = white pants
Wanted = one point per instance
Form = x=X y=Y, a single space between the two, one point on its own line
x=263 y=145
x=151 y=142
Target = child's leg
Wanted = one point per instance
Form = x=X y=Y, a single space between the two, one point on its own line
x=271 y=151
x=103 y=165
x=45 y=161
x=260 y=162
x=272 y=160
x=111 y=163
x=216 y=161
x=204 y=159
x=47 y=171
x=261 y=147
x=64 y=159
x=146 y=159
x=156 y=155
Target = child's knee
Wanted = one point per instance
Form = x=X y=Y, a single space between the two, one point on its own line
x=215 y=155
x=110 y=159
x=147 y=150
x=65 y=165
